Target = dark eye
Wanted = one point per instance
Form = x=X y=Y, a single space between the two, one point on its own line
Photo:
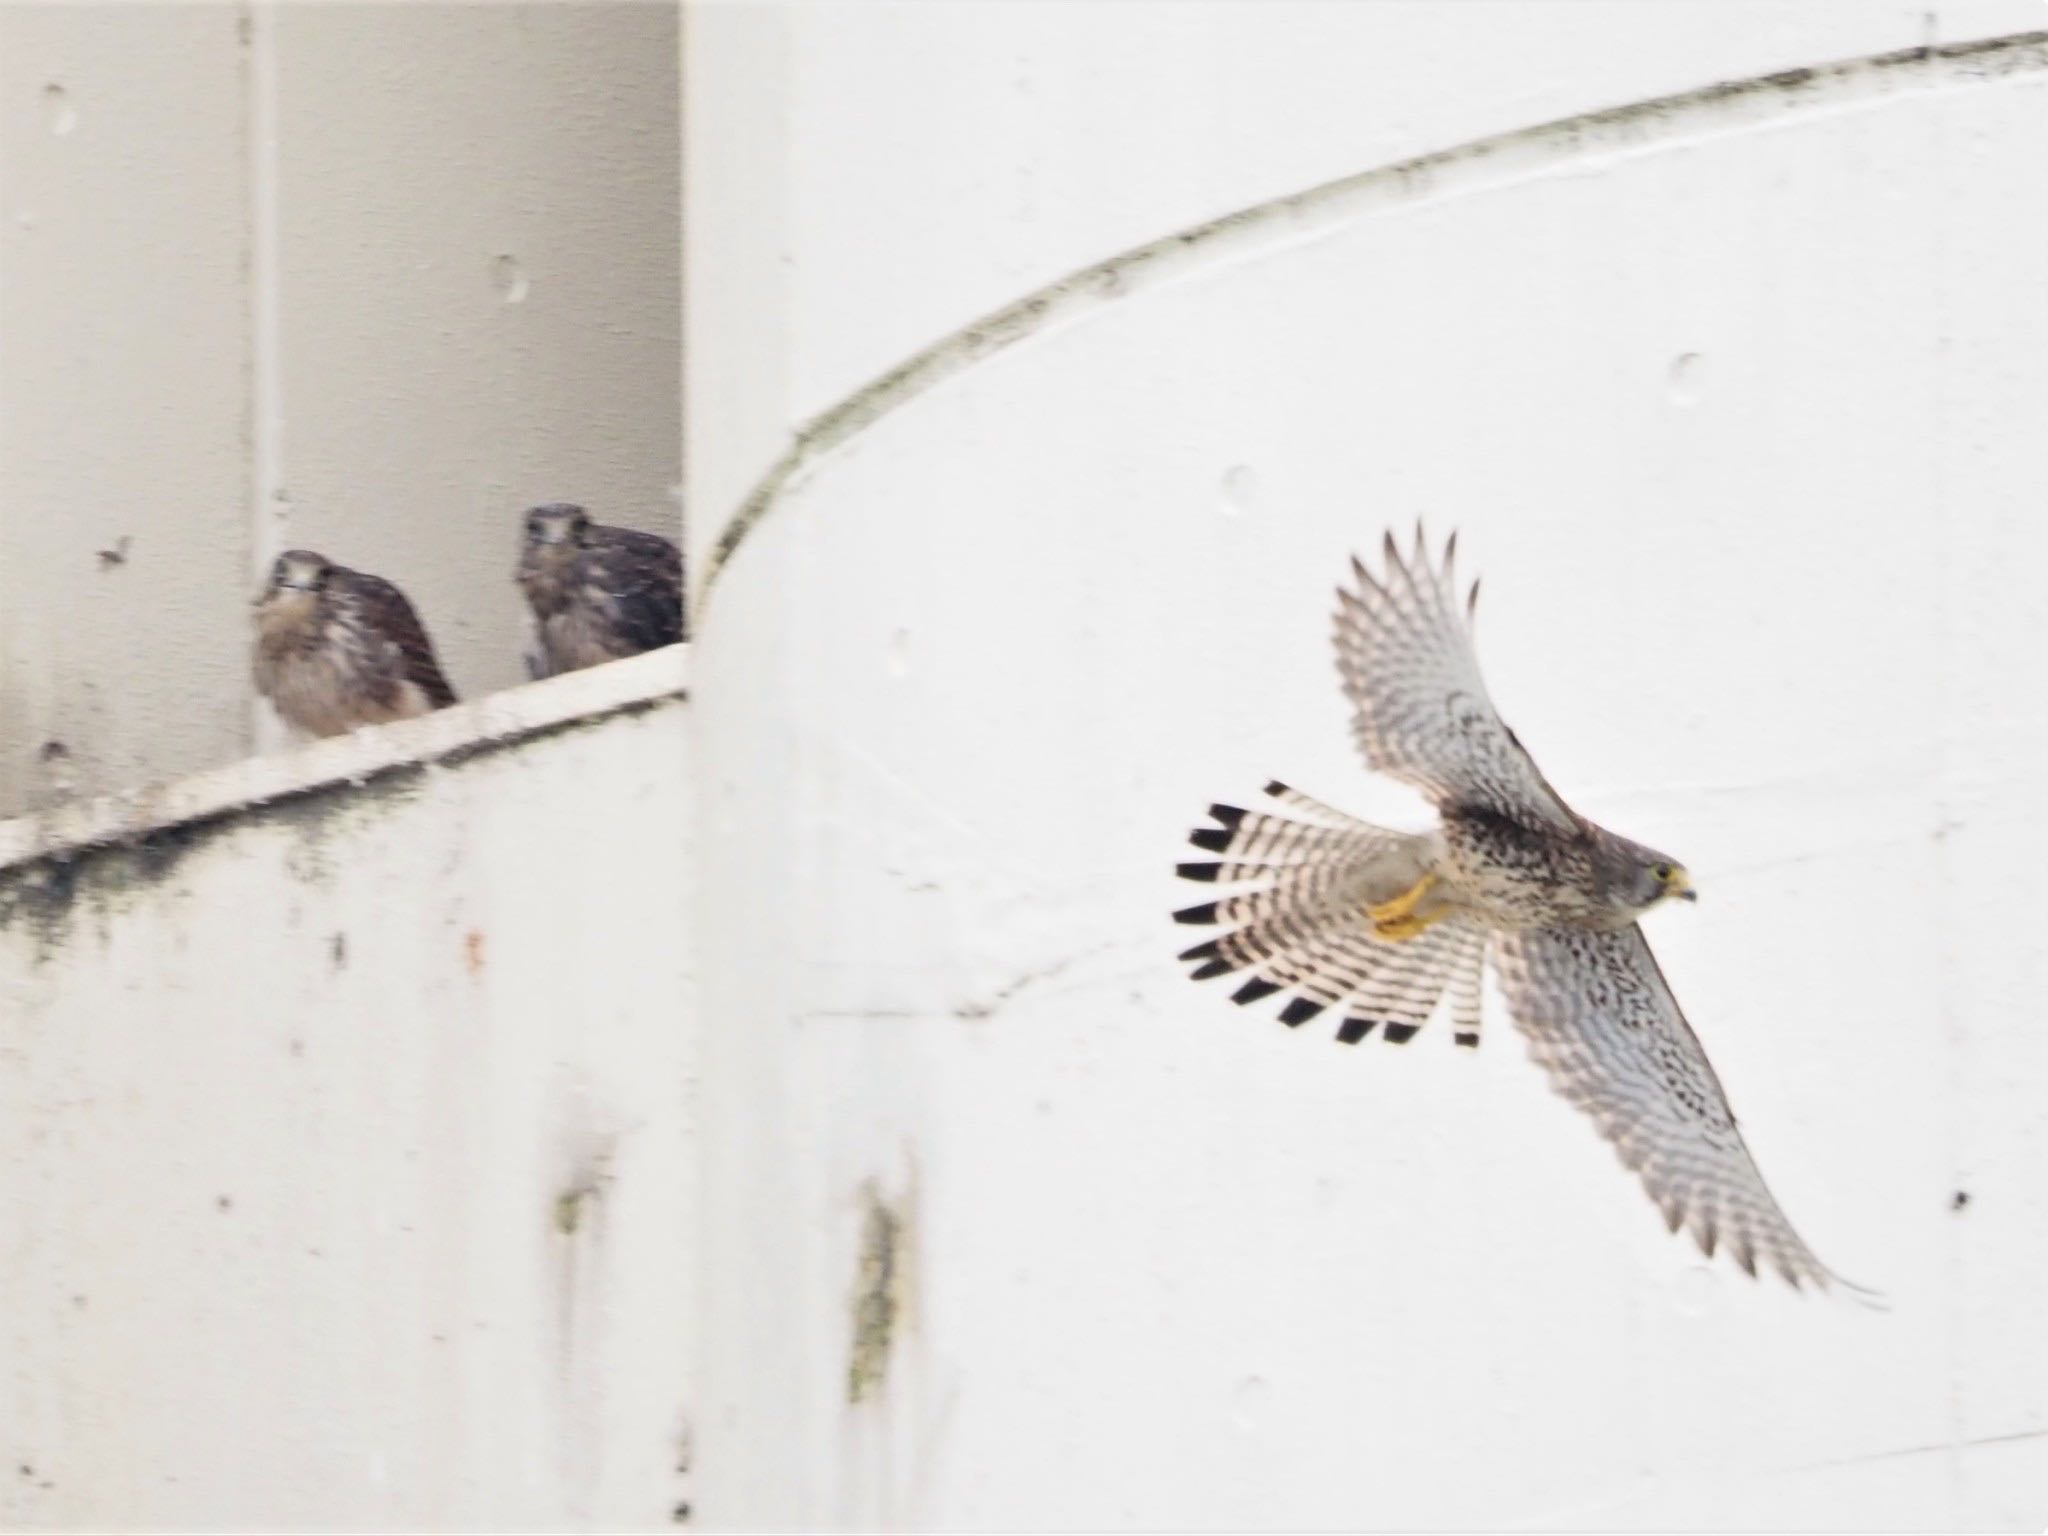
x=1661 y=871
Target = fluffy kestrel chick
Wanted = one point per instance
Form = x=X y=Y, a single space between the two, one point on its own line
x=1379 y=925
x=597 y=593
x=337 y=648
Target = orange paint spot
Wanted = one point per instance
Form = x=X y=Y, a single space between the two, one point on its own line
x=473 y=951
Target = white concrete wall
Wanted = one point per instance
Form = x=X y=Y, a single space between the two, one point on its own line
x=1736 y=402
x=966 y=1210
x=347 y=1162
x=368 y=278
x=865 y=179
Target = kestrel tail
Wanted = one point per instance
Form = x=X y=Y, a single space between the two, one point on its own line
x=336 y=648
x=597 y=593
x=1379 y=926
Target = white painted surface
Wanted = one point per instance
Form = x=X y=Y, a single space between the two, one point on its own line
x=123 y=339
x=1740 y=422
x=297 y=1101
x=865 y=178
x=370 y=279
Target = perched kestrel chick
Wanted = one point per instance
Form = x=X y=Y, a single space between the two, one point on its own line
x=1379 y=925
x=597 y=593
x=337 y=648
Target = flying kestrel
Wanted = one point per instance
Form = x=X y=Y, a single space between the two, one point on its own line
x=1379 y=925
x=597 y=593
x=337 y=648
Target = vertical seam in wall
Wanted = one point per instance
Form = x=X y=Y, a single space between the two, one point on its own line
x=681 y=490
x=265 y=421
x=1950 y=1031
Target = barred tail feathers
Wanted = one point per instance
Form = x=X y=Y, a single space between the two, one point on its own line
x=1298 y=924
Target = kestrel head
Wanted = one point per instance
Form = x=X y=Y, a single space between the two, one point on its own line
x=1638 y=877
x=298 y=570
x=556 y=522
x=1670 y=879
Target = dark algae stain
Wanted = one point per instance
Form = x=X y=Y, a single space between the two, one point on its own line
x=881 y=1288
x=46 y=897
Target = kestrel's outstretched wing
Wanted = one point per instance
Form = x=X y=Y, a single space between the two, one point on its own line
x=1603 y=1024
x=389 y=614
x=1421 y=714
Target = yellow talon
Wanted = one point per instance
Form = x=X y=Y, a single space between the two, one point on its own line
x=1404 y=904
x=1399 y=919
x=1404 y=927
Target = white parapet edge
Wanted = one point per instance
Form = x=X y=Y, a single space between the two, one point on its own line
x=496 y=719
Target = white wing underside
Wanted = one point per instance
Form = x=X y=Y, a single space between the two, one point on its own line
x=1420 y=712
x=1602 y=1022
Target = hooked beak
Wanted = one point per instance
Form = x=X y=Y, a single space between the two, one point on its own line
x=282 y=589
x=1680 y=885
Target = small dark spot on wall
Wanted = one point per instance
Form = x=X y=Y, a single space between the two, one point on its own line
x=680 y=1514
x=508 y=276
x=569 y=1211
x=1960 y=1199
x=298 y=1047
x=26 y=1470
x=79 y=1302
x=473 y=952
x=60 y=116
x=223 y=1202
x=1240 y=490
x=115 y=555
x=53 y=751
x=1686 y=378
x=337 y=951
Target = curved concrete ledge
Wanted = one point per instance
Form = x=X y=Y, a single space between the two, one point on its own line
x=490 y=722
x=1479 y=164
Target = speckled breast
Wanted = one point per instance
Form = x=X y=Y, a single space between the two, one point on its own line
x=1517 y=876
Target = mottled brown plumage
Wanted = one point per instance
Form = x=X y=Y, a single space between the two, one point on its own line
x=1381 y=924
x=597 y=593
x=336 y=648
